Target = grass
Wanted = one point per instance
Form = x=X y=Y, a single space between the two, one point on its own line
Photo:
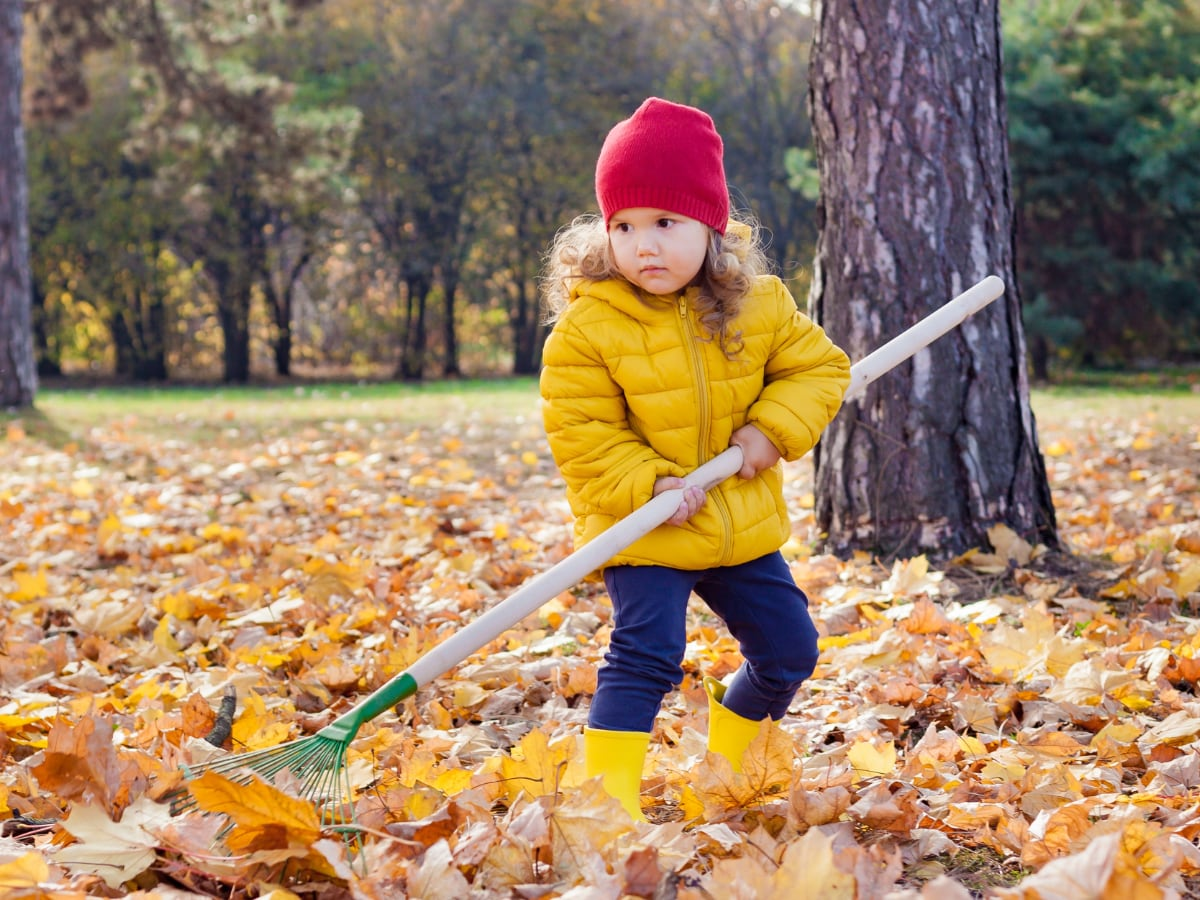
x=1170 y=410
x=62 y=415
x=66 y=414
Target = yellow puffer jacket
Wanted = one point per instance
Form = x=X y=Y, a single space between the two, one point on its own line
x=634 y=390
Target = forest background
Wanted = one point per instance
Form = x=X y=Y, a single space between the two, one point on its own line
x=366 y=190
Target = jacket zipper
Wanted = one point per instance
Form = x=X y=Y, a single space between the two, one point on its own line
x=715 y=497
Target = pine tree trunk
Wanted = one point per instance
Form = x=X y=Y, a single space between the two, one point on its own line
x=18 y=373
x=909 y=119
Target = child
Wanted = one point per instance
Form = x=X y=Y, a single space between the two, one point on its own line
x=671 y=344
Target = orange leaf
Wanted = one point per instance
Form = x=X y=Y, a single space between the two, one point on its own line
x=264 y=817
x=80 y=762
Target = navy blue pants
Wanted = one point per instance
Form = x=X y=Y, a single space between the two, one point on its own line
x=761 y=606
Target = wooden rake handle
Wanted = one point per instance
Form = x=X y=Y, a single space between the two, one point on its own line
x=570 y=571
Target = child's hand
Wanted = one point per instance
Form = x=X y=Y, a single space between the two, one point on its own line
x=693 y=498
x=758 y=452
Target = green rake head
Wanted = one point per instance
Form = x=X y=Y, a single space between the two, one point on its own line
x=318 y=763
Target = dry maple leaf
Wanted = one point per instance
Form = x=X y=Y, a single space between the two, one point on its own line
x=436 y=877
x=584 y=825
x=116 y=851
x=714 y=790
x=267 y=824
x=81 y=763
x=538 y=766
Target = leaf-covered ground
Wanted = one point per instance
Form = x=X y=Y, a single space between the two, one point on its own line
x=1014 y=723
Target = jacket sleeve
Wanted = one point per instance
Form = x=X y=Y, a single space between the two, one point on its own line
x=607 y=466
x=805 y=377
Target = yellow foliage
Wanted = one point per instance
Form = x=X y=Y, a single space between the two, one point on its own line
x=30 y=586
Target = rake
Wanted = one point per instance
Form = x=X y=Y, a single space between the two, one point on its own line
x=318 y=761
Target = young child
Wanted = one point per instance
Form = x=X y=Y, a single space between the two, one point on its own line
x=671 y=344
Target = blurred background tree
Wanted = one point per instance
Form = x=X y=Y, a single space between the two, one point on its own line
x=1104 y=110
x=360 y=189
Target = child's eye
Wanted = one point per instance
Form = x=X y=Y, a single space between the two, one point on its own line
x=622 y=227
x=665 y=223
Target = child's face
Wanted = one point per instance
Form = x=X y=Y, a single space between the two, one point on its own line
x=659 y=251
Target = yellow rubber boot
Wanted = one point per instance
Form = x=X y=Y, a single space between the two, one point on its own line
x=728 y=733
x=618 y=756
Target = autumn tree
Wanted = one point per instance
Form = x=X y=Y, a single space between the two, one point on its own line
x=745 y=63
x=105 y=272
x=18 y=377
x=224 y=137
x=419 y=78
x=582 y=67
x=915 y=206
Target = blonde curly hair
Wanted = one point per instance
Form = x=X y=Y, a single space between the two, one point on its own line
x=581 y=252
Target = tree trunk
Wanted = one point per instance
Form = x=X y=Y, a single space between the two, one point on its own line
x=233 y=284
x=18 y=372
x=280 y=304
x=450 y=367
x=48 y=363
x=418 y=284
x=526 y=329
x=908 y=110
x=282 y=299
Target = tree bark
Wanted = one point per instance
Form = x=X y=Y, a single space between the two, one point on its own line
x=18 y=371
x=909 y=117
x=418 y=282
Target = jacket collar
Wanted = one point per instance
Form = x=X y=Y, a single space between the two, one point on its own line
x=625 y=298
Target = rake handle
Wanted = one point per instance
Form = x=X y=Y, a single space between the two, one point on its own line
x=591 y=556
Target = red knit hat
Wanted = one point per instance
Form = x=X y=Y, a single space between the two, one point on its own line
x=665 y=156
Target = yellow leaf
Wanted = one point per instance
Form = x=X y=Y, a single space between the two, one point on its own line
x=870 y=761
x=536 y=767
x=767 y=764
x=529 y=458
x=1009 y=544
x=263 y=817
x=30 y=586
x=1187 y=579
x=845 y=640
x=586 y=823
x=769 y=760
x=163 y=637
x=228 y=536
x=330 y=579
x=108 y=532
x=1002 y=770
x=908 y=576
x=972 y=746
x=809 y=870
x=254 y=729
x=26 y=871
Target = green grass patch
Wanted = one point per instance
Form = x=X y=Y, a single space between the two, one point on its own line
x=1169 y=380
x=234 y=413
x=1171 y=411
